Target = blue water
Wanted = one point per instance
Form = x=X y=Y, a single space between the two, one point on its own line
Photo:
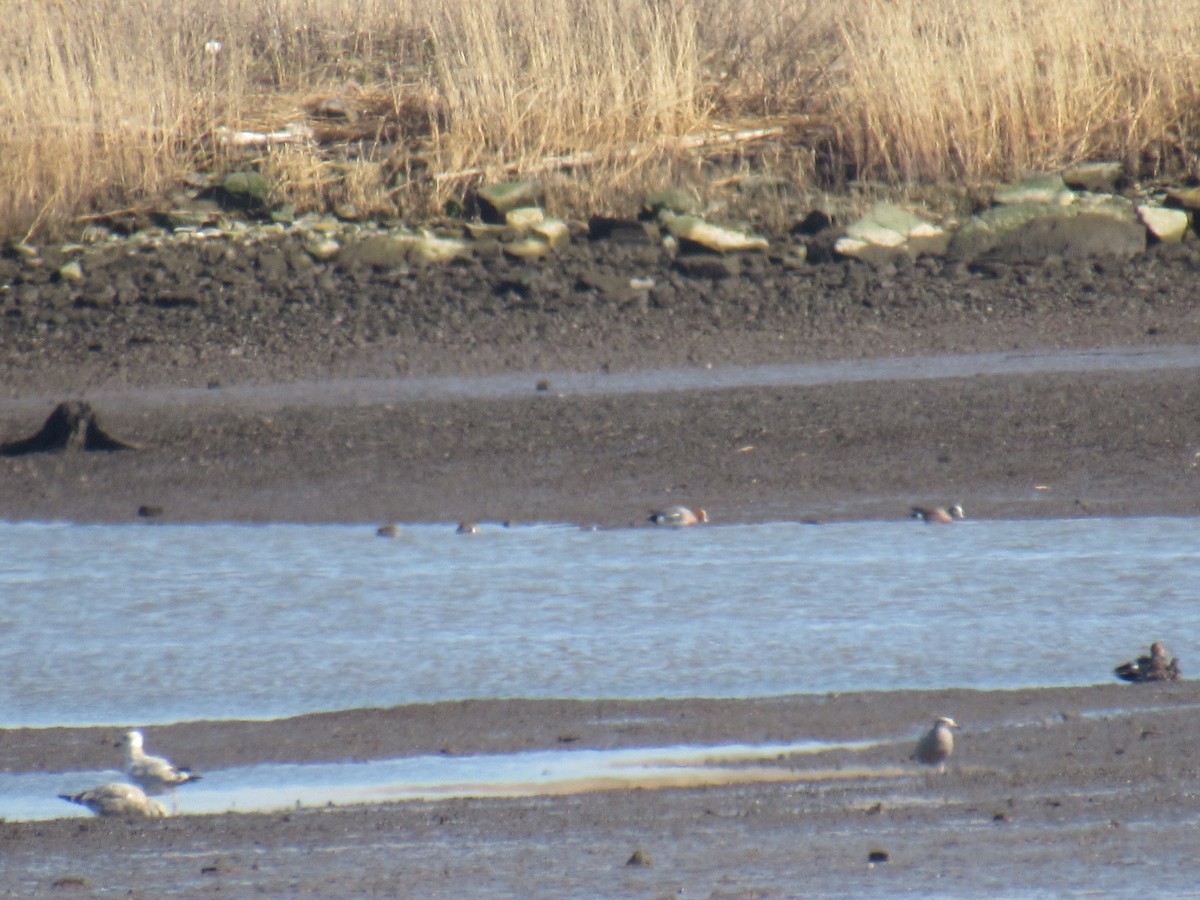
x=144 y=624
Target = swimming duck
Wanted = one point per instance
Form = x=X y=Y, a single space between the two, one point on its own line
x=467 y=528
x=937 y=744
x=1158 y=666
x=678 y=517
x=118 y=799
x=938 y=514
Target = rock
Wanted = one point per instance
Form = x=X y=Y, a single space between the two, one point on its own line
x=1101 y=177
x=672 y=201
x=246 y=190
x=73 y=425
x=527 y=248
x=381 y=251
x=429 y=248
x=1034 y=189
x=694 y=230
x=323 y=250
x=1185 y=198
x=1165 y=225
x=495 y=200
x=707 y=265
x=889 y=231
x=524 y=216
x=71 y=271
x=1031 y=232
x=553 y=231
x=640 y=858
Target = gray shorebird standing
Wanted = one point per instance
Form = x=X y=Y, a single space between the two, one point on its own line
x=937 y=744
x=152 y=774
x=678 y=517
x=938 y=514
x=1158 y=666
x=118 y=799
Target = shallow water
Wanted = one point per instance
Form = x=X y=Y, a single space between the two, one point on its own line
x=143 y=624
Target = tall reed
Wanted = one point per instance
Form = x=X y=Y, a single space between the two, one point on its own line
x=108 y=104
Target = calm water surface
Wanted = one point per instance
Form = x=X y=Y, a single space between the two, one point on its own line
x=146 y=624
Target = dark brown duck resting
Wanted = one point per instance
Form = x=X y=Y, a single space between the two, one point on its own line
x=1156 y=667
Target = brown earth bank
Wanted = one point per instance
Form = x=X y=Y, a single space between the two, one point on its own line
x=224 y=319
x=1049 y=791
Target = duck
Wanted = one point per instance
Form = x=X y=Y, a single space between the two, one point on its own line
x=938 y=514
x=937 y=744
x=152 y=774
x=678 y=517
x=1158 y=666
x=467 y=528
x=118 y=799
x=388 y=531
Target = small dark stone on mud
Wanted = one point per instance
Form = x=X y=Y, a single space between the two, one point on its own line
x=640 y=858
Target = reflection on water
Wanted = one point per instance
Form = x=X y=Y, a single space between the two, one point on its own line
x=142 y=624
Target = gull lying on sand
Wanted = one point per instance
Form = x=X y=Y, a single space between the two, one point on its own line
x=1158 y=666
x=678 y=517
x=153 y=774
x=938 y=514
x=937 y=744
x=118 y=799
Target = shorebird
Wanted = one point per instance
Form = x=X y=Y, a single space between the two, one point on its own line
x=678 y=517
x=938 y=514
x=937 y=744
x=118 y=799
x=1158 y=666
x=153 y=774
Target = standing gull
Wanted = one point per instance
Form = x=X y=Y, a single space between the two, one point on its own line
x=153 y=774
x=936 y=744
x=118 y=799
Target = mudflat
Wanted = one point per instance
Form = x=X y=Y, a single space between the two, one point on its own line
x=1050 y=790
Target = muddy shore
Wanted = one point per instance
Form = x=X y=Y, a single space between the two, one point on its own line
x=1051 y=789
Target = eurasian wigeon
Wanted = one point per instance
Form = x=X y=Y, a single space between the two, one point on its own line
x=1158 y=666
x=938 y=514
x=937 y=744
x=118 y=799
x=678 y=517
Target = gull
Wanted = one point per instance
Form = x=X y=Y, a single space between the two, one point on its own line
x=938 y=514
x=118 y=799
x=936 y=745
x=678 y=517
x=1158 y=666
x=153 y=774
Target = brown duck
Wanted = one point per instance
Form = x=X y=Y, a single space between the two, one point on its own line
x=1158 y=666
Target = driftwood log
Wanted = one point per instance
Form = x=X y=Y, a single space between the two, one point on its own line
x=73 y=425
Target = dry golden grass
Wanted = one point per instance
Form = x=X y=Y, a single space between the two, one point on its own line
x=107 y=105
